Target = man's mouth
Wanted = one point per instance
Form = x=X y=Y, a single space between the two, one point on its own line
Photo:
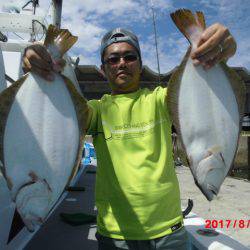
x=122 y=74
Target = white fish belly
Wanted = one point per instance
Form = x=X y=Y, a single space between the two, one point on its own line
x=41 y=143
x=209 y=124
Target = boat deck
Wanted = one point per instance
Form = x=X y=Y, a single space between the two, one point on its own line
x=56 y=234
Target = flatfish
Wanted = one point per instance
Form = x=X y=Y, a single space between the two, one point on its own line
x=41 y=132
x=206 y=107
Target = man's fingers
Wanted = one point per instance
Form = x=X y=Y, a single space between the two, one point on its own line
x=36 y=54
x=37 y=61
x=210 y=39
x=206 y=46
x=216 y=44
x=210 y=55
x=41 y=51
x=229 y=47
x=46 y=74
x=206 y=35
x=219 y=53
x=26 y=64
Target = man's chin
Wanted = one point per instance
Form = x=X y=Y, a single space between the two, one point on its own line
x=122 y=83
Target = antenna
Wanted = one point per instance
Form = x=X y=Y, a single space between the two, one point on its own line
x=34 y=3
x=156 y=45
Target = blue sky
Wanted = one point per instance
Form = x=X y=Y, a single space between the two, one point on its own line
x=91 y=19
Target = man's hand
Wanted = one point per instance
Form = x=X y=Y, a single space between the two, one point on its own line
x=37 y=59
x=216 y=44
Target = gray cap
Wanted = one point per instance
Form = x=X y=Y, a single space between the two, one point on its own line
x=119 y=35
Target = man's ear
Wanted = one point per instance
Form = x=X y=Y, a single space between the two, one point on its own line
x=102 y=71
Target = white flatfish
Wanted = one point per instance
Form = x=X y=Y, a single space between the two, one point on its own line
x=206 y=107
x=42 y=129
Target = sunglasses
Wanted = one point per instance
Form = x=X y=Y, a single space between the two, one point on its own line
x=115 y=59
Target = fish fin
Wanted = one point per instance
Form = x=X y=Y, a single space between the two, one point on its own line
x=239 y=89
x=7 y=97
x=238 y=86
x=33 y=209
x=190 y=25
x=61 y=38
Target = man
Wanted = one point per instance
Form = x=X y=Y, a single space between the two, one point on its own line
x=137 y=192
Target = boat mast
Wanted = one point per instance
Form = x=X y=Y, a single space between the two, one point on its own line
x=34 y=3
x=57 y=11
x=156 y=44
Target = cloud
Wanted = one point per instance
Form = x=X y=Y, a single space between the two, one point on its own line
x=171 y=50
x=94 y=17
x=89 y=35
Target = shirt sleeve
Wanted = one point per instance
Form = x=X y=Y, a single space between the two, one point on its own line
x=94 y=107
x=161 y=99
x=161 y=96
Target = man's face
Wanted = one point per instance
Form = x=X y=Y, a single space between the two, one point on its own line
x=123 y=72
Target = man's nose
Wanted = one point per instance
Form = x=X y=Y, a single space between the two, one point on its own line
x=121 y=62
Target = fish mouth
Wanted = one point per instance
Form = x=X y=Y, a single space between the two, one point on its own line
x=29 y=183
x=22 y=187
x=209 y=191
x=33 y=202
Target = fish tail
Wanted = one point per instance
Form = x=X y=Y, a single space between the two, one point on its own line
x=188 y=23
x=201 y=19
x=62 y=39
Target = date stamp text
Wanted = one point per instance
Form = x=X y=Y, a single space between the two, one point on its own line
x=243 y=224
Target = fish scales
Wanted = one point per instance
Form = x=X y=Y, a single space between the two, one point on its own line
x=42 y=129
x=206 y=108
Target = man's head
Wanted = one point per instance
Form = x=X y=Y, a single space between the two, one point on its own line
x=121 y=60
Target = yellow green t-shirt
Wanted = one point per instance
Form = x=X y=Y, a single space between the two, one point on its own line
x=137 y=192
